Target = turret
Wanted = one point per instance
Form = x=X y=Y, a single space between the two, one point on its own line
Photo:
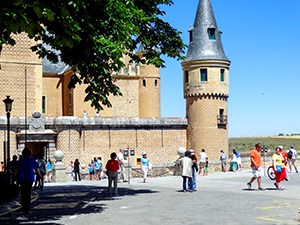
x=206 y=80
x=149 y=88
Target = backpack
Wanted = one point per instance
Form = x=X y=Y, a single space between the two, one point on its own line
x=290 y=154
x=42 y=166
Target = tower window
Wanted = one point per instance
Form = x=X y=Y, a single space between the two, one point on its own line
x=191 y=31
x=222 y=75
x=211 y=33
x=144 y=83
x=203 y=75
x=155 y=83
x=221 y=115
x=43 y=104
x=186 y=76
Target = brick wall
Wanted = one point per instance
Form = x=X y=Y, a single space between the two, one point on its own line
x=161 y=145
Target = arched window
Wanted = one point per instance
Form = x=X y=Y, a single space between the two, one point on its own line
x=144 y=83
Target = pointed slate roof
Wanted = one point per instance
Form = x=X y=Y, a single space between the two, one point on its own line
x=54 y=68
x=202 y=47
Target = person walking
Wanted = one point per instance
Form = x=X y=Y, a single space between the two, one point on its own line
x=255 y=159
x=202 y=160
x=39 y=181
x=91 y=169
x=292 y=157
x=145 y=166
x=238 y=160
x=96 y=168
x=186 y=165
x=223 y=159
x=49 y=170
x=14 y=164
x=77 y=170
x=120 y=159
x=233 y=163
x=193 y=182
x=285 y=161
x=112 y=167
x=99 y=171
x=25 y=175
x=278 y=165
x=71 y=165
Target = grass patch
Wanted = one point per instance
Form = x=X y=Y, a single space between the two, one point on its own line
x=245 y=144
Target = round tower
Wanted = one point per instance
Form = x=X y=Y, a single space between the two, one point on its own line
x=149 y=88
x=206 y=81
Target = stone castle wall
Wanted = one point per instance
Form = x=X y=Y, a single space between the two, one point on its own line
x=160 y=138
x=21 y=72
x=203 y=132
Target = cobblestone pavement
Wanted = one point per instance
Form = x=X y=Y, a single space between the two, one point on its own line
x=221 y=198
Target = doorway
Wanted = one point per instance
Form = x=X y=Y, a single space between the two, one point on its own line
x=38 y=149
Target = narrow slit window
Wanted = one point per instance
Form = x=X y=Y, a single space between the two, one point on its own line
x=222 y=75
x=211 y=33
x=43 y=104
x=191 y=31
x=203 y=75
x=221 y=115
x=144 y=83
x=156 y=83
x=186 y=76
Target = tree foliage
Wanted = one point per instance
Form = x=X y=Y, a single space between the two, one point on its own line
x=92 y=36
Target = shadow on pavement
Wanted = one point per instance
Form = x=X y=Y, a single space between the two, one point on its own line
x=58 y=201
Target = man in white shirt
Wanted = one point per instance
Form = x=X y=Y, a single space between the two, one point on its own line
x=292 y=159
x=202 y=161
x=120 y=158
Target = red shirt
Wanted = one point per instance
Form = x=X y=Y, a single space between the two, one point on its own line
x=112 y=165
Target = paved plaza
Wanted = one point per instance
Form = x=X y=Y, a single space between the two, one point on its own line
x=221 y=198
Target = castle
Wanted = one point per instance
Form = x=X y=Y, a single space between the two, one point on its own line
x=47 y=116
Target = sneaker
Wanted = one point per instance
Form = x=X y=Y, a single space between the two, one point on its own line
x=184 y=191
x=249 y=185
x=261 y=189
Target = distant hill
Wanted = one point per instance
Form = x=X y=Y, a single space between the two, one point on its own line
x=245 y=144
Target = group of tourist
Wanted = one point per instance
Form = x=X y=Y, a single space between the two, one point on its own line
x=115 y=170
x=190 y=167
x=45 y=167
x=95 y=168
x=280 y=160
x=235 y=161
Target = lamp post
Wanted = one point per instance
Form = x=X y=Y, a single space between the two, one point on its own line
x=8 y=105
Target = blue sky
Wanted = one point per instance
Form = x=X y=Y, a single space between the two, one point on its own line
x=262 y=40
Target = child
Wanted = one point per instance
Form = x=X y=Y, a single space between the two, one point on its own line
x=91 y=169
x=112 y=167
x=206 y=169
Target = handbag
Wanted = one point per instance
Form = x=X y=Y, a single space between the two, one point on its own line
x=278 y=168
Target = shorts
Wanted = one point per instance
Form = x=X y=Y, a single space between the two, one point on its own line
x=202 y=165
x=257 y=172
x=292 y=162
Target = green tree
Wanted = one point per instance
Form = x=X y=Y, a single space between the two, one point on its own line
x=92 y=36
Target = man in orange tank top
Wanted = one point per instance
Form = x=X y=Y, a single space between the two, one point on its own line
x=257 y=170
